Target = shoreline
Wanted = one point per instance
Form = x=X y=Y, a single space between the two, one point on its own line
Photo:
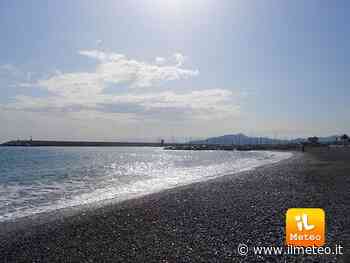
x=70 y=210
x=204 y=221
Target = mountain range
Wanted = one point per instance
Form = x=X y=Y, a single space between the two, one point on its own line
x=242 y=139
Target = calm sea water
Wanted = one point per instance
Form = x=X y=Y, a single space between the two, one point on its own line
x=34 y=180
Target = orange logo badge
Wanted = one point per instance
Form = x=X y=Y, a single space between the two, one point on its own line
x=305 y=227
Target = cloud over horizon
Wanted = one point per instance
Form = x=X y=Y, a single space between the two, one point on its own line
x=79 y=92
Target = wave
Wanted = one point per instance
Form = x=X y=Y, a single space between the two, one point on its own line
x=127 y=175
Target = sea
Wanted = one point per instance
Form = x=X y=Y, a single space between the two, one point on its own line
x=42 y=179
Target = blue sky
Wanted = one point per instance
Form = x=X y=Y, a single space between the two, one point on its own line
x=161 y=68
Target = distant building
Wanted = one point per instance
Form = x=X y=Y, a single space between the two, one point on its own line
x=345 y=139
x=313 y=140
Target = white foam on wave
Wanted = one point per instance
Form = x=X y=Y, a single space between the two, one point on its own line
x=154 y=177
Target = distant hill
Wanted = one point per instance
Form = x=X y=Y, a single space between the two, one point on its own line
x=242 y=139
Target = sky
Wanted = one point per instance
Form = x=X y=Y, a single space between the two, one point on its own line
x=174 y=69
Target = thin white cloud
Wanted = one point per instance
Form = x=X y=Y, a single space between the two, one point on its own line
x=24 y=85
x=76 y=93
x=73 y=84
x=117 y=68
x=160 y=60
x=112 y=68
x=180 y=59
x=9 y=69
x=99 y=42
x=97 y=54
x=200 y=104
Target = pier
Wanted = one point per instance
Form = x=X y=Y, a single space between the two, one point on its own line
x=218 y=147
x=165 y=146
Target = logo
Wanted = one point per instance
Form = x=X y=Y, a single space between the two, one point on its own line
x=305 y=227
x=302 y=223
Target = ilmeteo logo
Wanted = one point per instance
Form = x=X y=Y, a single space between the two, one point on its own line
x=305 y=227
